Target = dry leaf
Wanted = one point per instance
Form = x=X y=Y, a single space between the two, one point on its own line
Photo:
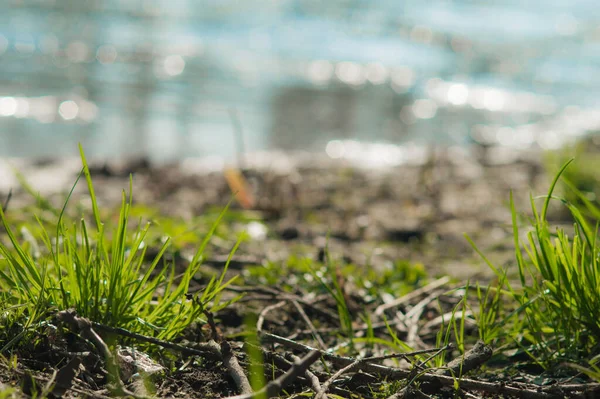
x=239 y=187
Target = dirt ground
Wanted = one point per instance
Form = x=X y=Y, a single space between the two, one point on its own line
x=371 y=218
x=416 y=212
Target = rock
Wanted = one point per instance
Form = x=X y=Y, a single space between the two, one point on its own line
x=289 y=233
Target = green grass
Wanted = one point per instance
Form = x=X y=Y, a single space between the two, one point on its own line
x=543 y=307
x=100 y=270
x=551 y=311
x=580 y=182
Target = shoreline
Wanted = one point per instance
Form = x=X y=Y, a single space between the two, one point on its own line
x=417 y=211
x=54 y=174
x=389 y=241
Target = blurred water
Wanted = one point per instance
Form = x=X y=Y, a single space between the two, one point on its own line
x=159 y=78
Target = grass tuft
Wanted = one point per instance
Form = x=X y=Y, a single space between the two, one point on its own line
x=102 y=271
x=551 y=313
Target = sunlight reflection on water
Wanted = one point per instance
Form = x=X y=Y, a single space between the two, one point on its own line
x=158 y=79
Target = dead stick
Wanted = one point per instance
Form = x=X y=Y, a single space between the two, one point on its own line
x=284 y=295
x=442 y=380
x=234 y=368
x=410 y=392
x=229 y=359
x=315 y=384
x=200 y=349
x=323 y=391
x=261 y=317
x=44 y=378
x=83 y=325
x=357 y=363
x=311 y=326
x=214 y=331
x=211 y=349
x=414 y=294
x=473 y=358
x=273 y=388
x=7 y=201
x=461 y=365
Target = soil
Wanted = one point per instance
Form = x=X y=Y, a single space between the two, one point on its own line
x=416 y=212
x=370 y=218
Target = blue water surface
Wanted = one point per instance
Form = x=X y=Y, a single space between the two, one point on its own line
x=163 y=78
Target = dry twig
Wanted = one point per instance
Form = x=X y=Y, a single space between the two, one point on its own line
x=411 y=318
x=210 y=349
x=323 y=391
x=44 y=378
x=282 y=295
x=472 y=359
x=437 y=381
x=414 y=294
x=315 y=384
x=7 y=201
x=228 y=356
x=357 y=363
x=309 y=324
x=199 y=349
x=275 y=386
x=83 y=325
x=234 y=368
x=261 y=317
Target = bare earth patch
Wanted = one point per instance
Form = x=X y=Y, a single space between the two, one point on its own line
x=355 y=283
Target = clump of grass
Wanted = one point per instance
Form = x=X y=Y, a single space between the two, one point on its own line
x=551 y=313
x=580 y=182
x=100 y=272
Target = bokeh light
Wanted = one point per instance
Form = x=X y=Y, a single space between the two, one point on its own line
x=318 y=77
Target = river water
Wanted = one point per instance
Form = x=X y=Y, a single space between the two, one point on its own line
x=172 y=79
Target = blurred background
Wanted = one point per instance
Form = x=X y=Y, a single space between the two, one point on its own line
x=170 y=79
